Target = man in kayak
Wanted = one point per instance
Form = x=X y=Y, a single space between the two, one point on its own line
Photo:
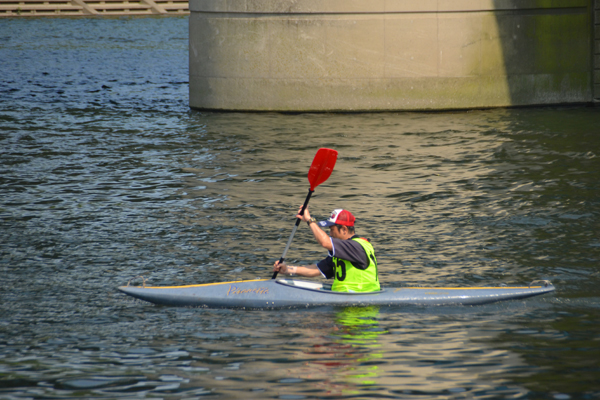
x=351 y=259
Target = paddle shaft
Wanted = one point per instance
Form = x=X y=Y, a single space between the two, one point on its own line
x=298 y=220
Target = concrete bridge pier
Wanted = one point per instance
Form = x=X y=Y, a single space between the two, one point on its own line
x=379 y=55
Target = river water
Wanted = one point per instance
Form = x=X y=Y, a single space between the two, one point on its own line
x=106 y=174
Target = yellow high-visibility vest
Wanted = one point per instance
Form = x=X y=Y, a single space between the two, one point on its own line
x=348 y=278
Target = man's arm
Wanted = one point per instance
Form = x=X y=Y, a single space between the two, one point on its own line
x=303 y=270
x=320 y=235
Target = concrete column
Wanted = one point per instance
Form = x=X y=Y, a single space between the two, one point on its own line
x=596 y=50
x=377 y=55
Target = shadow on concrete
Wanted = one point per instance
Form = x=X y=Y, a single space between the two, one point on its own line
x=547 y=50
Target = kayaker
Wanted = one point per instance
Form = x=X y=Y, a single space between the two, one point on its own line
x=350 y=261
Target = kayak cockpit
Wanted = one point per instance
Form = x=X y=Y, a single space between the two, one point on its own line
x=318 y=287
x=304 y=285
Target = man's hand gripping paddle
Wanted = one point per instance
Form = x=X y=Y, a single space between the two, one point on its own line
x=320 y=169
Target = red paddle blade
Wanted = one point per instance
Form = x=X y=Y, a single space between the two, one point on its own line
x=321 y=167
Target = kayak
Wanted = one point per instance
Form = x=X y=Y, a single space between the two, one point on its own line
x=291 y=293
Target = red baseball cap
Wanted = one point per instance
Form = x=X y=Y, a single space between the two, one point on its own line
x=339 y=217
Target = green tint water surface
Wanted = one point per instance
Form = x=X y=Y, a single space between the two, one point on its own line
x=105 y=174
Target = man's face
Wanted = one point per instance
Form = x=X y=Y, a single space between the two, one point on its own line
x=335 y=232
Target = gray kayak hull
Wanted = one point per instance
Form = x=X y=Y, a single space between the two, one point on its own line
x=290 y=293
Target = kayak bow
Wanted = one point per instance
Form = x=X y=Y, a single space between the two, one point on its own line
x=290 y=293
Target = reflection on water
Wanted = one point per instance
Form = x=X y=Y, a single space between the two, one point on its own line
x=410 y=358
x=105 y=174
x=348 y=357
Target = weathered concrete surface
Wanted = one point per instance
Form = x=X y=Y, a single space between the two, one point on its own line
x=351 y=55
x=596 y=50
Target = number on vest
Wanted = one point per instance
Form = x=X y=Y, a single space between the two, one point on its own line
x=340 y=270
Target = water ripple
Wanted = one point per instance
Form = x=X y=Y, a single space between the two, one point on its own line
x=106 y=175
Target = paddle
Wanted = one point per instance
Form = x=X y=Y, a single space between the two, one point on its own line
x=319 y=171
